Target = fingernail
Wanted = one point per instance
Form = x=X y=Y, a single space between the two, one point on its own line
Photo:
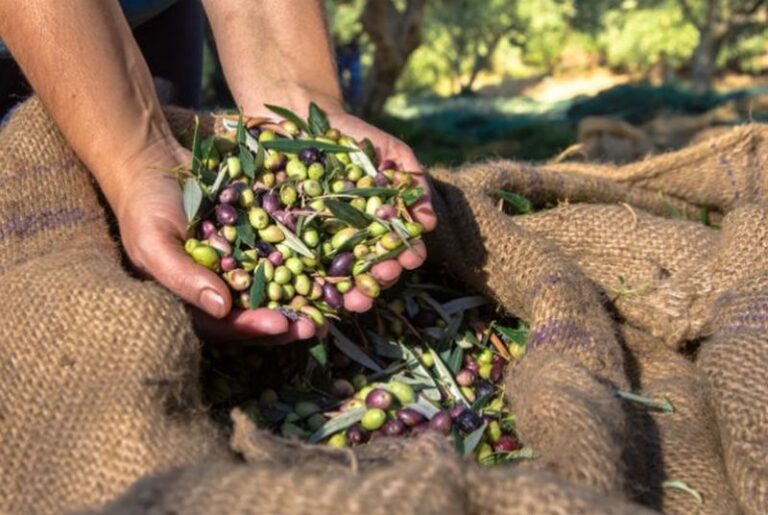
x=213 y=302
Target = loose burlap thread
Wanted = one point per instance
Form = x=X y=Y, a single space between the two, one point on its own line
x=100 y=388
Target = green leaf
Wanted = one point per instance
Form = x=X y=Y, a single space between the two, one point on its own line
x=246 y=159
x=519 y=203
x=401 y=231
x=676 y=484
x=412 y=195
x=454 y=360
x=370 y=192
x=245 y=232
x=240 y=132
x=518 y=335
x=350 y=243
x=423 y=406
x=319 y=352
x=197 y=156
x=192 y=197
x=370 y=151
x=436 y=306
x=336 y=424
x=295 y=145
x=359 y=158
x=351 y=349
x=288 y=115
x=347 y=213
x=447 y=378
x=258 y=286
x=258 y=163
x=463 y=304
x=218 y=182
x=661 y=405
x=383 y=347
x=480 y=402
x=473 y=439
x=293 y=242
x=318 y=122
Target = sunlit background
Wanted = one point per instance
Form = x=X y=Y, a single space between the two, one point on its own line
x=547 y=79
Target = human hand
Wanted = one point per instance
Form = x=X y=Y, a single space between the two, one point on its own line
x=153 y=229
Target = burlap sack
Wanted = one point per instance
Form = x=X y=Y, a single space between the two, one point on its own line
x=111 y=394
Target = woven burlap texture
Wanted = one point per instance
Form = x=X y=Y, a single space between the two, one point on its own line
x=100 y=386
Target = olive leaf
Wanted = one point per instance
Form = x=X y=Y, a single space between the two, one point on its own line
x=319 y=352
x=336 y=424
x=293 y=242
x=258 y=286
x=370 y=151
x=447 y=378
x=288 y=115
x=350 y=243
x=454 y=359
x=676 y=484
x=661 y=405
x=347 y=213
x=197 y=157
x=246 y=158
x=318 y=121
x=519 y=203
x=359 y=158
x=296 y=145
x=435 y=305
x=351 y=349
x=218 y=182
x=463 y=304
x=473 y=439
x=401 y=231
x=383 y=347
x=240 y=131
x=517 y=335
x=423 y=406
x=244 y=230
x=412 y=195
x=192 y=197
x=418 y=370
x=258 y=162
x=370 y=192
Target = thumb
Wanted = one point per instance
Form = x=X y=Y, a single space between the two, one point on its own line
x=172 y=267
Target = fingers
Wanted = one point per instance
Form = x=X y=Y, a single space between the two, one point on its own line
x=243 y=325
x=356 y=301
x=414 y=257
x=386 y=272
x=164 y=259
x=301 y=329
x=422 y=211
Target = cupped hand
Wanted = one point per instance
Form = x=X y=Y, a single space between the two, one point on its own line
x=389 y=147
x=153 y=229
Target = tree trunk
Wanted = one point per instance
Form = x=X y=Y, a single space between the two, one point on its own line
x=395 y=35
x=704 y=60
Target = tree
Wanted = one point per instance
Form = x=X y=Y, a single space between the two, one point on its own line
x=718 y=22
x=474 y=30
x=395 y=34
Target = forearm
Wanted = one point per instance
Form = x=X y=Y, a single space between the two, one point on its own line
x=81 y=59
x=275 y=51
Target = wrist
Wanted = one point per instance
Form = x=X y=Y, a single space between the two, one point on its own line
x=291 y=96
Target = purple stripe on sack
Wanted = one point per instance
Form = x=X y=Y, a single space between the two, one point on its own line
x=23 y=226
x=571 y=334
x=753 y=318
x=38 y=170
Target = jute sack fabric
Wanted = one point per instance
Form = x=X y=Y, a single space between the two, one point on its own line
x=112 y=393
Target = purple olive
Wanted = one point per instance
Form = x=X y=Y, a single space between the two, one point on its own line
x=309 y=155
x=348 y=185
x=441 y=423
x=388 y=164
x=228 y=263
x=221 y=244
x=393 y=428
x=286 y=218
x=379 y=398
x=380 y=180
x=332 y=297
x=341 y=265
x=506 y=443
x=471 y=365
x=207 y=229
x=255 y=132
x=410 y=417
x=263 y=248
x=484 y=389
x=270 y=202
x=466 y=377
x=229 y=195
x=457 y=410
x=468 y=421
x=497 y=371
x=386 y=212
x=226 y=214
x=356 y=434
x=497 y=359
x=275 y=258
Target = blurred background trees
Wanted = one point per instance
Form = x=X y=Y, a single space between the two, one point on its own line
x=465 y=78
